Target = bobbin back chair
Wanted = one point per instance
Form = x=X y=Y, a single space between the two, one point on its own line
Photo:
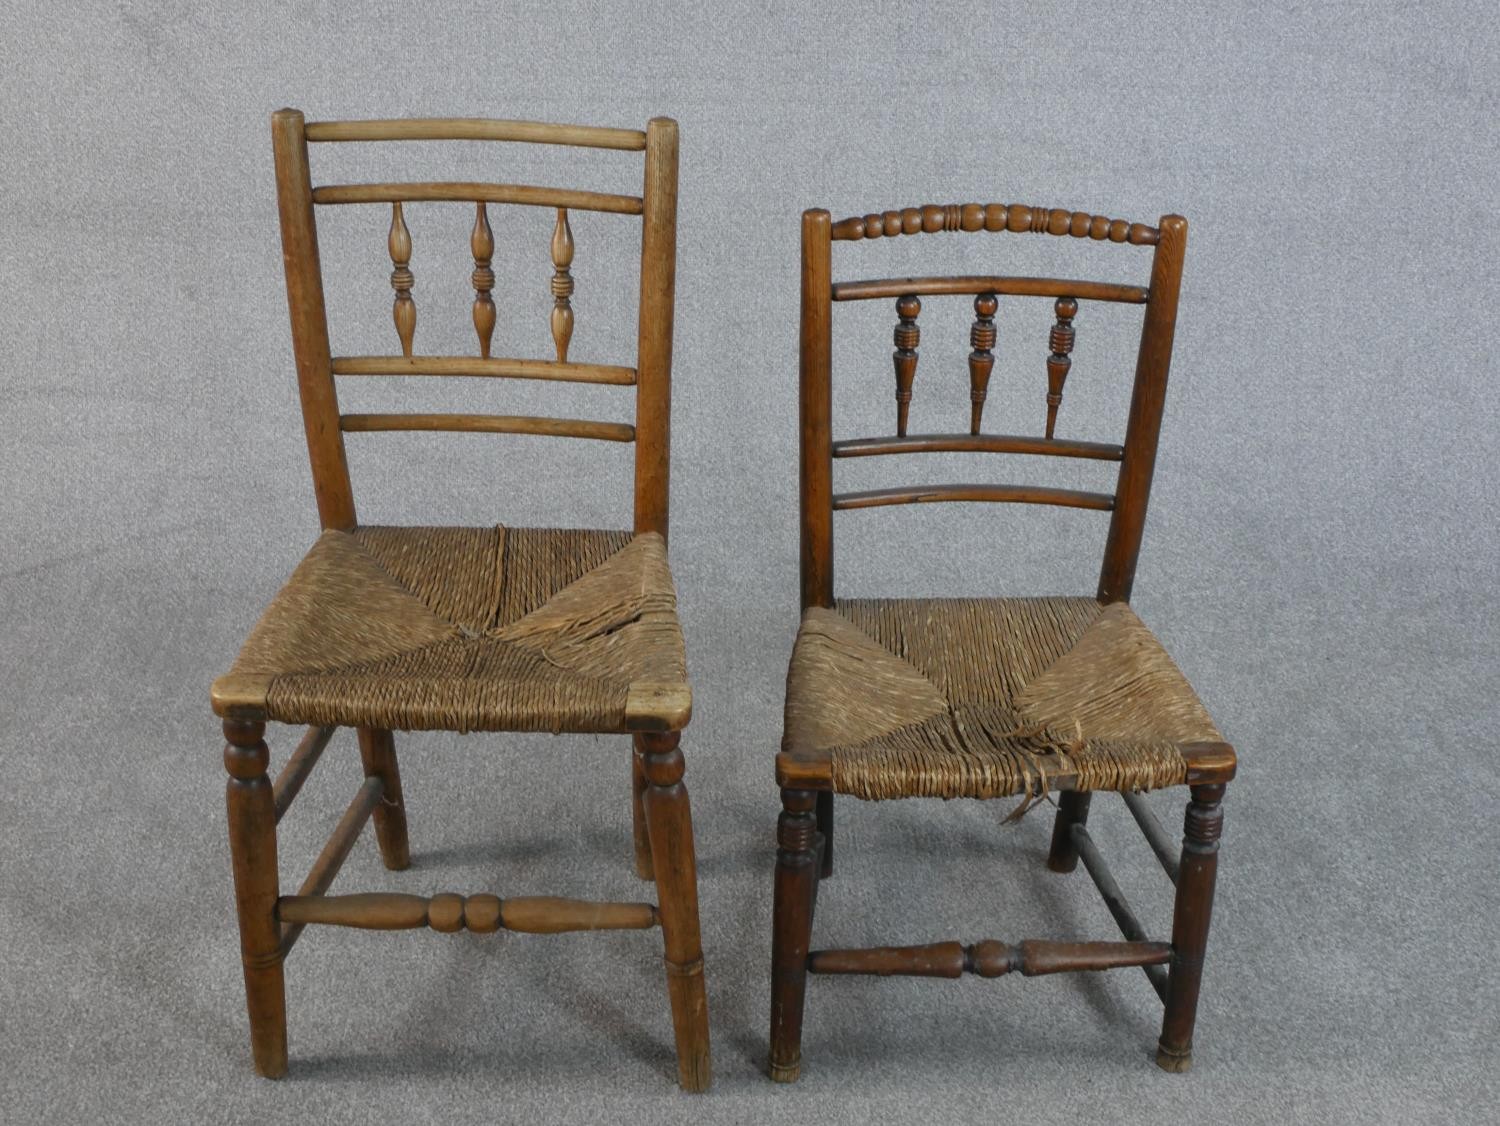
x=466 y=629
x=990 y=698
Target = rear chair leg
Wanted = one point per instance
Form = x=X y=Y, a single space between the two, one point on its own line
x=643 y=867
x=1072 y=809
x=825 y=830
x=1190 y=917
x=670 y=828
x=377 y=748
x=797 y=866
x=252 y=847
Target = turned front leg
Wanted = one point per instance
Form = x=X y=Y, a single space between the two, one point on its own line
x=670 y=829
x=638 y=827
x=377 y=749
x=1195 y=899
x=797 y=865
x=252 y=847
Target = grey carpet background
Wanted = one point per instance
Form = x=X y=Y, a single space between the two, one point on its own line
x=1321 y=556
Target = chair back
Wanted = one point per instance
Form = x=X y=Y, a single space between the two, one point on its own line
x=1137 y=453
x=650 y=374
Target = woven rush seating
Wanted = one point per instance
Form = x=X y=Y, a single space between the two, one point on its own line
x=466 y=629
x=984 y=698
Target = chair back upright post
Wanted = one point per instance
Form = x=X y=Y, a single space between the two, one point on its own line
x=816 y=409
x=1136 y=455
x=304 y=293
x=317 y=367
x=653 y=427
x=1147 y=402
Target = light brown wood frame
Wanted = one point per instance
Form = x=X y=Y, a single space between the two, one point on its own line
x=270 y=923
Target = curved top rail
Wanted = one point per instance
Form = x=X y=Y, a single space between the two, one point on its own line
x=870 y=288
x=1015 y=217
x=463 y=192
x=476 y=129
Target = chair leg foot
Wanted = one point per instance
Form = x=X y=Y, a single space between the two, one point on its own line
x=784 y=1073
x=1072 y=809
x=1190 y=918
x=252 y=845
x=670 y=829
x=639 y=827
x=1173 y=1061
x=377 y=749
x=797 y=867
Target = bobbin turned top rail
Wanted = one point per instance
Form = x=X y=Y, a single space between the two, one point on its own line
x=476 y=129
x=1017 y=218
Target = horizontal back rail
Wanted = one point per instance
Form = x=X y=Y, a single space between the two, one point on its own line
x=1009 y=494
x=872 y=288
x=1017 y=218
x=473 y=192
x=476 y=129
x=484 y=368
x=977 y=443
x=490 y=424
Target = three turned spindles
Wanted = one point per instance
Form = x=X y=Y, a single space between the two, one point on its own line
x=982 y=338
x=482 y=245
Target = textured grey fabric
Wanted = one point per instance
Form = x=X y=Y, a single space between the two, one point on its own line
x=1321 y=556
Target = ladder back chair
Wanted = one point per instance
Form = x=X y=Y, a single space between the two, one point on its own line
x=466 y=629
x=991 y=697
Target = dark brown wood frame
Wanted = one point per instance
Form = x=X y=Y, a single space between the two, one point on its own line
x=270 y=923
x=805 y=833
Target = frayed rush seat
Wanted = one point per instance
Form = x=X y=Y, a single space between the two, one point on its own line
x=985 y=698
x=470 y=629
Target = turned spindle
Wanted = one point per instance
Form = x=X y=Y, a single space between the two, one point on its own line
x=1031 y=958
x=1060 y=360
x=562 y=285
x=448 y=913
x=982 y=358
x=907 y=336
x=404 y=311
x=482 y=243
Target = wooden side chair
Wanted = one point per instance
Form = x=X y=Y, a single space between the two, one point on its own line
x=990 y=698
x=466 y=629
